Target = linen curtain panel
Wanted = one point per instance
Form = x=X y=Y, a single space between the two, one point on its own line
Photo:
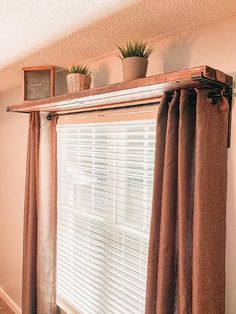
x=39 y=252
x=186 y=267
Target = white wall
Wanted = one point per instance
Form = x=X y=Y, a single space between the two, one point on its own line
x=214 y=45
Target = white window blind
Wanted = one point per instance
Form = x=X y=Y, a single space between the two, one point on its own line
x=105 y=175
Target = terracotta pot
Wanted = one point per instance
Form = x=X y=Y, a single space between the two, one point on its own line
x=77 y=82
x=134 y=68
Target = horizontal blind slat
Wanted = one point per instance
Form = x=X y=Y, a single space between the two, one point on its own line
x=105 y=173
x=66 y=254
x=115 y=255
x=104 y=215
x=106 y=227
x=130 y=297
x=64 y=232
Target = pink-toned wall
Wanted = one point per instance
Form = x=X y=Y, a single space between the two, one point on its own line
x=13 y=140
x=214 y=45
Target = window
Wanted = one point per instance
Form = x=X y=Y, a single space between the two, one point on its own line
x=105 y=174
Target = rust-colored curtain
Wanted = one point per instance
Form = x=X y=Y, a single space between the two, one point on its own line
x=39 y=251
x=186 y=264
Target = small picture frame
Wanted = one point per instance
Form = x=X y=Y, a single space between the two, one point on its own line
x=38 y=82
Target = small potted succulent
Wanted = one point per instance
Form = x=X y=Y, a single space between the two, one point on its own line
x=135 y=60
x=78 y=78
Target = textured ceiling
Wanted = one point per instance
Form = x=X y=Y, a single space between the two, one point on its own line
x=144 y=19
x=27 y=25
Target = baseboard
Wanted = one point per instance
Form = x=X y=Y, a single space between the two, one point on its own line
x=5 y=297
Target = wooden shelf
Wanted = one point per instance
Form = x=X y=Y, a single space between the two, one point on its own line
x=148 y=89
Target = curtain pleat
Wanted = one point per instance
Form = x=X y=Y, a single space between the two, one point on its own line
x=47 y=218
x=29 y=280
x=209 y=221
x=39 y=259
x=187 y=236
x=157 y=197
x=187 y=128
x=166 y=275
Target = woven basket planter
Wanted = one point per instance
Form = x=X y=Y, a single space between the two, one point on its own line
x=77 y=82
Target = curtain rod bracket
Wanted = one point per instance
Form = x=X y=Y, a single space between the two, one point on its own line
x=214 y=94
x=229 y=96
x=226 y=92
x=51 y=116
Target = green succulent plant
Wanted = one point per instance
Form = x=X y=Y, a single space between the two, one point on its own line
x=135 y=49
x=81 y=69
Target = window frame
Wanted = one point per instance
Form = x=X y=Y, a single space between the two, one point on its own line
x=133 y=113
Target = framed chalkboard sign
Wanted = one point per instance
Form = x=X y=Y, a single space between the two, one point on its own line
x=38 y=82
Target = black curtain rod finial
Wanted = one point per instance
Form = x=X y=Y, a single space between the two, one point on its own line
x=51 y=116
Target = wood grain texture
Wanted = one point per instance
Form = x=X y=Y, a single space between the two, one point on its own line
x=131 y=91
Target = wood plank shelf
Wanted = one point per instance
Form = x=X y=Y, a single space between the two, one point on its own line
x=143 y=90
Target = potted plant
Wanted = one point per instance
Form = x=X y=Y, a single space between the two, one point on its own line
x=78 y=78
x=135 y=60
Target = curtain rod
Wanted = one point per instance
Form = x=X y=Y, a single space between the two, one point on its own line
x=211 y=95
x=97 y=109
x=226 y=92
